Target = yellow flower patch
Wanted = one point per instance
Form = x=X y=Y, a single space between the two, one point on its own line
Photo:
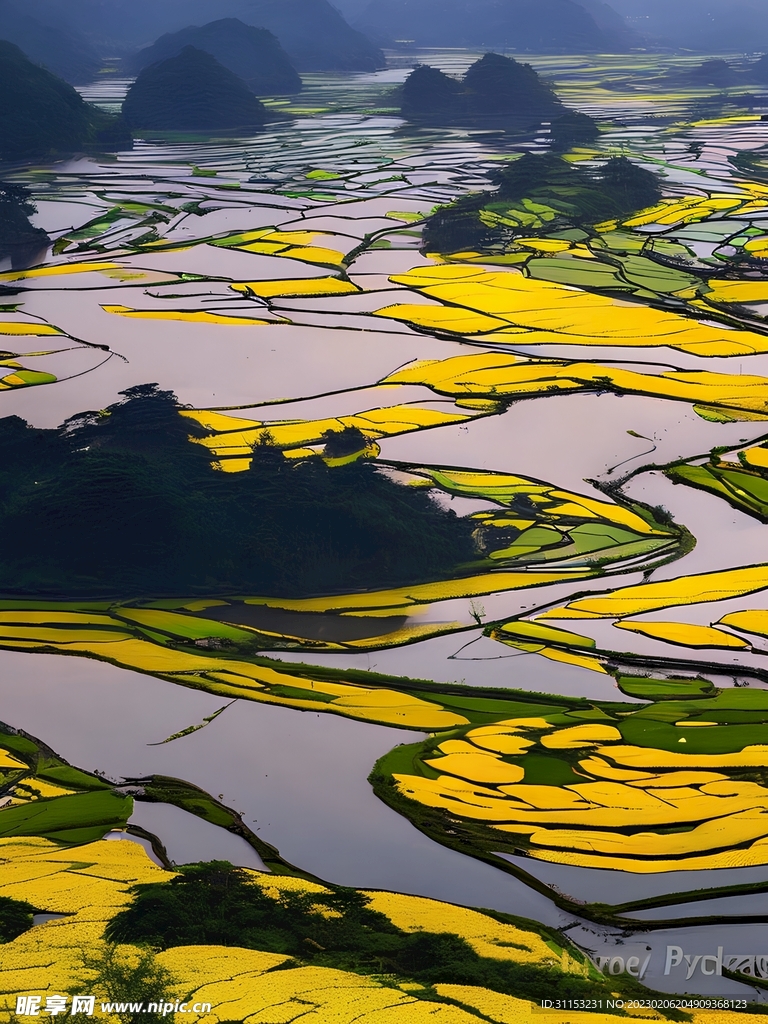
x=691 y=209
x=505 y=375
x=55 y=269
x=90 y=883
x=194 y=316
x=296 y=287
x=236 y=437
x=501 y=743
x=298 y=245
x=684 y=633
x=748 y=621
x=648 y=757
x=457 y=796
x=649 y=597
x=487 y=937
x=556 y=314
x=477 y=767
x=23 y=328
x=7 y=760
x=622 y=802
x=757 y=458
x=738 y=291
x=580 y=736
x=511 y=1010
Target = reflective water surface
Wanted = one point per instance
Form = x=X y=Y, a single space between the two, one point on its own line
x=139 y=288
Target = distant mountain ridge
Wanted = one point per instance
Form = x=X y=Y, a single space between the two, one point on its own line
x=253 y=54
x=66 y=54
x=312 y=32
x=191 y=91
x=535 y=25
x=43 y=117
x=705 y=26
x=616 y=29
x=719 y=74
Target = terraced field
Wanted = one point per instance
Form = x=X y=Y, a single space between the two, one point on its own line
x=569 y=409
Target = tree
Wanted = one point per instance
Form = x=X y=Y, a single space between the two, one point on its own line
x=125 y=974
x=17 y=235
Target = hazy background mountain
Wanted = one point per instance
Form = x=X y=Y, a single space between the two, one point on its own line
x=253 y=54
x=612 y=24
x=536 y=25
x=191 y=91
x=700 y=25
x=313 y=33
x=72 y=37
x=65 y=53
x=706 y=25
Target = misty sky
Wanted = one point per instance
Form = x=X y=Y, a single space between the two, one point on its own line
x=740 y=25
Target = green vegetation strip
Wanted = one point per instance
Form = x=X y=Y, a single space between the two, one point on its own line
x=216 y=904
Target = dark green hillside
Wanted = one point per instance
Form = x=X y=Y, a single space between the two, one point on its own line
x=430 y=95
x=218 y=904
x=572 y=129
x=18 y=237
x=499 y=86
x=120 y=503
x=496 y=91
x=191 y=92
x=717 y=73
x=65 y=54
x=577 y=197
x=42 y=116
x=253 y=54
x=15 y=918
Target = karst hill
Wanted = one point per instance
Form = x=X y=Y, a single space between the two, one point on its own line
x=496 y=91
x=191 y=92
x=64 y=53
x=253 y=54
x=43 y=117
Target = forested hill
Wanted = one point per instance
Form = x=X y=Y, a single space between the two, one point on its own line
x=312 y=32
x=65 y=53
x=253 y=54
x=120 y=503
x=42 y=116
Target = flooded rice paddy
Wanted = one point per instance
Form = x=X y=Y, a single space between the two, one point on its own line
x=278 y=283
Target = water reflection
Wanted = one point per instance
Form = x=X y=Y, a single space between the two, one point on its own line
x=300 y=779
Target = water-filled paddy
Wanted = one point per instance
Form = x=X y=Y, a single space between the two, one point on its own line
x=298 y=779
x=216 y=287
